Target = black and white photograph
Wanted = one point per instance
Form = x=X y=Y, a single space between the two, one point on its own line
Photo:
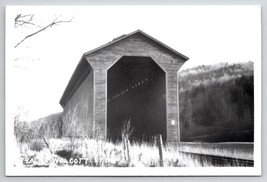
x=120 y=90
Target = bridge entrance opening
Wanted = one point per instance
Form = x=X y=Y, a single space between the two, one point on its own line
x=136 y=92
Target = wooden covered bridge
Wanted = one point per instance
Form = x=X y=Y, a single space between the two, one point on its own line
x=133 y=77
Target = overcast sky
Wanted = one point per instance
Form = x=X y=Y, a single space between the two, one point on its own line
x=38 y=70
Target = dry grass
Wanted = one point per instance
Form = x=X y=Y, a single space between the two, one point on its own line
x=99 y=153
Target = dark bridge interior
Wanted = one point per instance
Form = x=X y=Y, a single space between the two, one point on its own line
x=136 y=89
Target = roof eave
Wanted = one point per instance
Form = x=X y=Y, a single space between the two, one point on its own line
x=68 y=90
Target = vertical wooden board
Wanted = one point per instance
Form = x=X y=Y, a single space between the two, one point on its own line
x=173 y=133
x=78 y=112
x=100 y=103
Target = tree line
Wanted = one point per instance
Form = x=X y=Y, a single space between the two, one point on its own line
x=217 y=103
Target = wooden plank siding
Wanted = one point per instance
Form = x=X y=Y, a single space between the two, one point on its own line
x=173 y=133
x=78 y=112
x=100 y=103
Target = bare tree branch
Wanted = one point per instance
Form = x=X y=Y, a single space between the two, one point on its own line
x=55 y=22
x=22 y=20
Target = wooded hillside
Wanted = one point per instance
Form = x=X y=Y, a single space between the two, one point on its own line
x=217 y=103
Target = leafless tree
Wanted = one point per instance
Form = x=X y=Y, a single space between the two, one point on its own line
x=24 y=20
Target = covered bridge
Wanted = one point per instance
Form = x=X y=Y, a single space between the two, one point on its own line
x=134 y=77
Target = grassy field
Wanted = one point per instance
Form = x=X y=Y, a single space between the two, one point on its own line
x=99 y=153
